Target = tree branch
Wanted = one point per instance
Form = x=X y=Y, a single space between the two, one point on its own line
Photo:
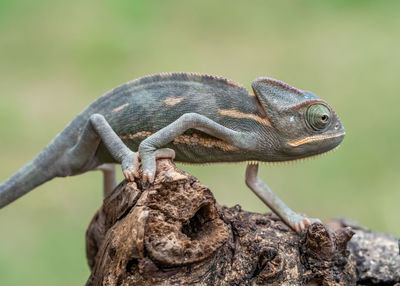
x=173 y=233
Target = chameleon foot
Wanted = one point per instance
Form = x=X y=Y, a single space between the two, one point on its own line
x=149 y=162
x=299 y=222
x=130 y=165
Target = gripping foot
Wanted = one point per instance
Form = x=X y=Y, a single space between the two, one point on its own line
x=292 y=219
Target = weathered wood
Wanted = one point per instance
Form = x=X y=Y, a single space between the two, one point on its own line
x=174 y=233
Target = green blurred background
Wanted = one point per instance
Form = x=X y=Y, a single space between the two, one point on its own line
x=56 y=57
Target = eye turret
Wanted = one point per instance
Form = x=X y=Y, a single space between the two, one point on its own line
x=318 y=116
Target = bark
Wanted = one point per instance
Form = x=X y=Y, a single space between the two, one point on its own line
x=173 y=233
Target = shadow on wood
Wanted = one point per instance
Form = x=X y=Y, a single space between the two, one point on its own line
x=173 y=233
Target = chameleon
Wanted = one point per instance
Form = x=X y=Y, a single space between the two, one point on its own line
x=191 y=118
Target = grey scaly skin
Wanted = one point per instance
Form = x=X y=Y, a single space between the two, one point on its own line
x=192 y=118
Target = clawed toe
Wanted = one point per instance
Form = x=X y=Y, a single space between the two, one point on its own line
x=148 y=176
x=300 y=223
x=130 y=167
x=130 y=175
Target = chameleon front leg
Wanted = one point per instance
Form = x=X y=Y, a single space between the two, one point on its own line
x=149 y=147
x=97 y=129
x=294 y=220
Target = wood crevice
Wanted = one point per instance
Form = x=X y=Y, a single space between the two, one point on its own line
x=174 y=233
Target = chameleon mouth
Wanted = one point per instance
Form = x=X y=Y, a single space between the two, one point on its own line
x=314 y=138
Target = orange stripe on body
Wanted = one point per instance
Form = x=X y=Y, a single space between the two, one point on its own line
x=119 y=108
x=238 y=114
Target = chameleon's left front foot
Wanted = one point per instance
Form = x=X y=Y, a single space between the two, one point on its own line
x=149 y=158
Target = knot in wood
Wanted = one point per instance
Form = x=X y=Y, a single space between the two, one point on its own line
x=183 y=226
x=324 y=253
x=270 y=265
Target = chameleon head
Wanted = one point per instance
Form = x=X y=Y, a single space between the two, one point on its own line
x=304 y=125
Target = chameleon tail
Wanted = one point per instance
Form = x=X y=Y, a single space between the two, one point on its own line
x=27 y=178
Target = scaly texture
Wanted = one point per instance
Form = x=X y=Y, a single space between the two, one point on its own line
x=192 y=118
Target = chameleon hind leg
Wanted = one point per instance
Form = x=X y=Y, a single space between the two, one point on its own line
x=109 y=178
x=294 y=220
x=149 y=147
x=97 y=129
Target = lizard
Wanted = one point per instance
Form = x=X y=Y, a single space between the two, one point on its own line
x=191 y=118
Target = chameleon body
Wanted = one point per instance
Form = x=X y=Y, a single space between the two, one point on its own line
x=193 y=118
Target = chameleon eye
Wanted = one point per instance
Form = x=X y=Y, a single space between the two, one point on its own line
x=318 y=116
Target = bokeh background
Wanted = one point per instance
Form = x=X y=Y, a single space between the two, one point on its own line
x=56 y=57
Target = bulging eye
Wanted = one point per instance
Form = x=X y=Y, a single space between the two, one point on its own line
x=318 y=116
